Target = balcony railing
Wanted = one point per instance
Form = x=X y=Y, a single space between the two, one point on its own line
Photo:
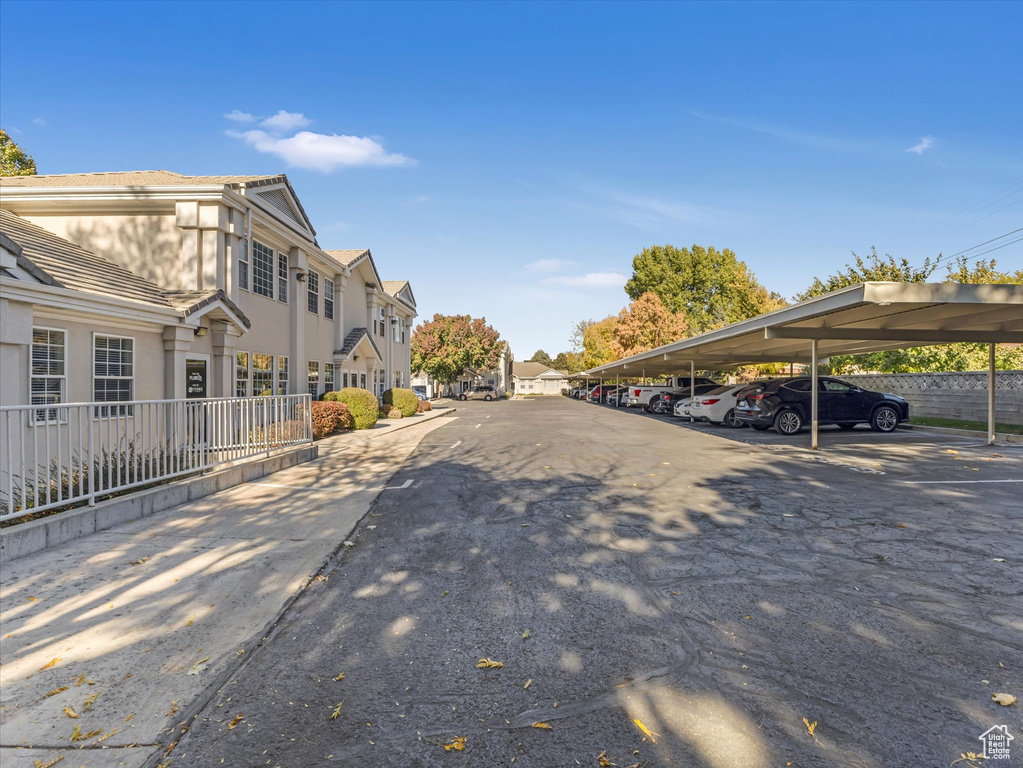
x=64 y=454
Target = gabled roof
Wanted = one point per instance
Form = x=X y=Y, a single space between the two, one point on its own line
x=159 y=178
x=282 y=204
x=531 y=370
x=354 y=338
x=395 y=287
x=348 y=256
x=55 y=261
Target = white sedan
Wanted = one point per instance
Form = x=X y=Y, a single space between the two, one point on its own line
x=717 y=406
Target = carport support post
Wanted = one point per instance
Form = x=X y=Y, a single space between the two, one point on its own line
x=618 y=387
x=692 y=388
x=814 y=395
x=991 y=394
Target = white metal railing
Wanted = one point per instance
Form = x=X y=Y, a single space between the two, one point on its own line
x=63 y=454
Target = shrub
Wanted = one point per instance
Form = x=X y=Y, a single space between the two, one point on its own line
x=423 y=406
x=405 y=399
x=395 y=413
x=328 y=417
x=361 y=404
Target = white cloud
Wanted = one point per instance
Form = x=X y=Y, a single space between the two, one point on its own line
x=285 y=122
x=321 y=151
x=925 y=143
x=783 y=132
x=39 y=121
x=591 y=280
x=423 y=199
x=547 y=266
x=240 y=117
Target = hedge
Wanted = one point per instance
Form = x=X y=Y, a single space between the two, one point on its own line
x=328 y=417
x=390 y=412
x=361 y=403
x=405 y=399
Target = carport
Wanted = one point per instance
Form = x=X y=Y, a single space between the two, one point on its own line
x=866 y=317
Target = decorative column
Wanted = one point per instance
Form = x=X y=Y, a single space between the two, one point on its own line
x=297 y=365
x=177 y=341
x=340 y=285
x=225 y=342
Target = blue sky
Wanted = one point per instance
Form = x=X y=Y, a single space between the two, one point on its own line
x=511 y=159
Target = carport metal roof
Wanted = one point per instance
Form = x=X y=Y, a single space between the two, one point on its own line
x=866 y=317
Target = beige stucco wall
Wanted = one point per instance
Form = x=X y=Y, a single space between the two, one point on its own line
x=147 y=244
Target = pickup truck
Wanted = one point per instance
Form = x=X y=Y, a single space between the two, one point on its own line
x=641 y=394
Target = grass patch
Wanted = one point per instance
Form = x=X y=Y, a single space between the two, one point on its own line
x=978 y=426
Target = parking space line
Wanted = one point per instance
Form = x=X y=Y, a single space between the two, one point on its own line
x=957 y=482
x=401 y=487
x=290 y=487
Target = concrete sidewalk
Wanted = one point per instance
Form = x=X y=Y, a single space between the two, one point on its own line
x=111 y=641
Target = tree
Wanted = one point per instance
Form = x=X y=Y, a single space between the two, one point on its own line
x=874 y=268
x=560 y=362
x=13 y=160
x=577 y=339
x=645 y=324
x=568 y=361
x=598 y=344
x=710 y=287
x=541 y=357
x=449 y=345
x=938 y=357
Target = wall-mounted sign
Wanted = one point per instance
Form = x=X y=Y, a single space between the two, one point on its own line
x=195 y=378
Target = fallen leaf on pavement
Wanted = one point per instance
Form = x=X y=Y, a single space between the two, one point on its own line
x=444 y=593
x=55 y=691
x=31 y=599
x=999 y=559
x=337 y=710
x=1005 y=699
x=139 y=561
x=602 y=760
x=457 y=744
x=71 y=713
x=234 y=723
x=90 y=701
x=488 y=664
x=649 y=734
x=543 y=726
x=340 y=677
x=129 y=717
x=810 y=728
x=50 y=665
x=199 y=666
x=525 y=635
x=40 y=764
x=80 y=680
x=529 y=682
x=173 y=709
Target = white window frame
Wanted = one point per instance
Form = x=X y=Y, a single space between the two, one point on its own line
x=328 y=298
x=248 y=373
x=283 y=265
x=312 y=291
x=113 y=410
x=330 y=382
x=282 y=384
x=252 y=368
x=39 y=414
x=383 y=322
x=313 y=377
x=265 y=252
x=243 y=264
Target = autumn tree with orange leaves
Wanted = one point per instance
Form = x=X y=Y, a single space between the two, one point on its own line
x=645 y=324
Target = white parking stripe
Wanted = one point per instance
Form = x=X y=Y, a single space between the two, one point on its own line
x=957 y=482
x=401 y=487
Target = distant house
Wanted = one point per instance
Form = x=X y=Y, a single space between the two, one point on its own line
x=537 y=379
x=499 y=378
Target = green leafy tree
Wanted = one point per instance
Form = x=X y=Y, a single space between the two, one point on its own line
x=13 y=160
x=938 y=357
x=872 y=269
x=542 y=357
x=449 y=345
x=577 y=339
x=709 y=287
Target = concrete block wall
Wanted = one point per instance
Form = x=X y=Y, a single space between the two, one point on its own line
x=951 y=395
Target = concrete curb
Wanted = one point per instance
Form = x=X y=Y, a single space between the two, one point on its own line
x=386 y=426
x=36 y=535
x=1004 y=437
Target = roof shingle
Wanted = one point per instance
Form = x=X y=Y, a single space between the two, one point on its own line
x=158 y=178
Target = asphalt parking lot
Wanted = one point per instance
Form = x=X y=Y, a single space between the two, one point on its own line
x=657 y=595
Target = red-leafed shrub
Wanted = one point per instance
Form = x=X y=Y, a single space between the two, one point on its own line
x=328 y=417
x=424 y=406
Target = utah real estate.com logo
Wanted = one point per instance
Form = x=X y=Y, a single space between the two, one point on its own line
x=996 y=742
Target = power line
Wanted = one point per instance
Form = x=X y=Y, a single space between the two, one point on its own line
x=978 y=245
x=969 y=208
x=975 y=221
x=998 y=247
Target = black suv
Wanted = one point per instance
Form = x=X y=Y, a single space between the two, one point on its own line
x=785 y=405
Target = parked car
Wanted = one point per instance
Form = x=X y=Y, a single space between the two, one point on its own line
x=641 y=394
x=420 y=391
x=614 y=395
x=479 y=393
x=664 y=402
x=785 y=405
x=599 y=393
x=718 y=405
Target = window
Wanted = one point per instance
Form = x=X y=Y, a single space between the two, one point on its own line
x=262 y=270
x=328 y=299
x=282 y=375
x=363 y=385
x=243 y=264
x=113 y=373
x=241 y=374
x=396 y=328
x=49 y=373
x=328 y=377
x=344 y=380
x=282 y=277
x=397 y=379
x=314 y=378
x=799 y=385
x=312 y=292
x=262 y=374
x=383 y=320
x=831 y=385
